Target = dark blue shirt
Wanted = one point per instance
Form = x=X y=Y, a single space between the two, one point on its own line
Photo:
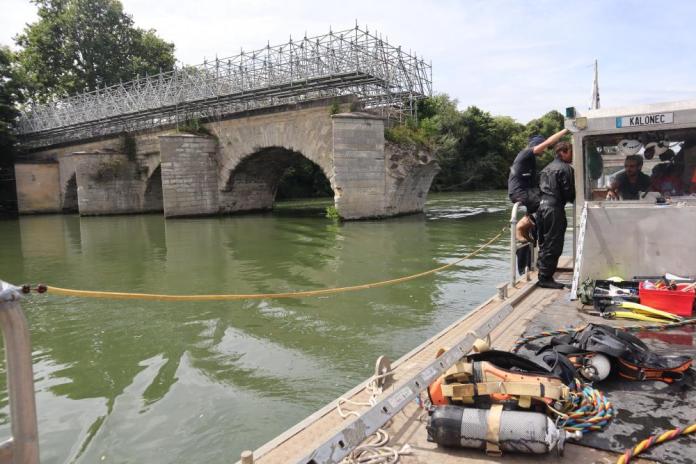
x=522 y=173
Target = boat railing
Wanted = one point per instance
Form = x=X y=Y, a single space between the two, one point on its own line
x=514 y=246
x=23 y=446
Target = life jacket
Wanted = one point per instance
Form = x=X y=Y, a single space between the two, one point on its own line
x=631 y=358
x=499 y=378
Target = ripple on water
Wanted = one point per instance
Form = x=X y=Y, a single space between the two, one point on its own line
x=134 y=381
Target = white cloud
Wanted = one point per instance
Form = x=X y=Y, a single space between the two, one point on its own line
x=507 y=57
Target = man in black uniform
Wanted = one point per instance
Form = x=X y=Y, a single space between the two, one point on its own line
x=557 y=186
x=523 y=187
x=522 y=182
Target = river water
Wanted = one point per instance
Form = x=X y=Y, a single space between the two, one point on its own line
x=135 y=381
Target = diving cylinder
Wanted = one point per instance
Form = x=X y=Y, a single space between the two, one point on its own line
x=520 y=431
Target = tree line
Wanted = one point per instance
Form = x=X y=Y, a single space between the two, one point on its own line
x=74 y=46
x=474 y=148
x=83 y=45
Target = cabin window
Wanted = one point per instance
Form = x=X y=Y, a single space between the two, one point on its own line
x=668 y=159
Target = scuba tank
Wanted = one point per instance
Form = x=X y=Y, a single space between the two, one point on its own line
x=499 y=401
x=516 y=431
x=593 y=367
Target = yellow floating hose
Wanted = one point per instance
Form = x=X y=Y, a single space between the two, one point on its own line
x=261 y=296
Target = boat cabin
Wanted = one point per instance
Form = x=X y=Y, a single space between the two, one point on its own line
x=635 y=175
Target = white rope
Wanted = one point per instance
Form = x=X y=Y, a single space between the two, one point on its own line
x=373 y=450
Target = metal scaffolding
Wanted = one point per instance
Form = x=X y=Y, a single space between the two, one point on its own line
x=351 y=62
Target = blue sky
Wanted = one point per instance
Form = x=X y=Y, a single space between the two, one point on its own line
x=517 y=58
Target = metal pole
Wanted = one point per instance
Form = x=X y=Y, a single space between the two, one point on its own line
x=513 y=244
x=575 y=233
x=20 y=378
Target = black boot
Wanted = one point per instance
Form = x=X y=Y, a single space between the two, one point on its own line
x=548 y=282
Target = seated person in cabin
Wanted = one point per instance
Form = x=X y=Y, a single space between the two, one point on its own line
x=692 y=182
x=667 y=176
x=688 y=155
x=626 y=185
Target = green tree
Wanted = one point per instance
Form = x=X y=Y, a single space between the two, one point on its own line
x=81 y=45
x=476 y=149
x=9 y=96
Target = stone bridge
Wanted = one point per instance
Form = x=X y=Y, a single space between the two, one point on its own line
x=236 y=168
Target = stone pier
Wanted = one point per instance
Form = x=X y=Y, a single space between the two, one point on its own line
x=189 y=175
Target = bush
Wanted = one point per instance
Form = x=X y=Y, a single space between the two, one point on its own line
x=193 y=126
x=332 y=213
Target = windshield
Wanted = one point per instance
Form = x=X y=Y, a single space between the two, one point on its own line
x=629 y=166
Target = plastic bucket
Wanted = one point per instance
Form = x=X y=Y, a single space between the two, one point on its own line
x=672 y=301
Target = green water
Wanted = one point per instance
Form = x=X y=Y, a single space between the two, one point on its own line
x=133 y=381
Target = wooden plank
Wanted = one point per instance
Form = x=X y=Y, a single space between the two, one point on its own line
x=305 y=436
x=526 y=300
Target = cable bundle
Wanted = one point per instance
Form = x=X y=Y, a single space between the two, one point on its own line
x=655 y=440
x=590 y=410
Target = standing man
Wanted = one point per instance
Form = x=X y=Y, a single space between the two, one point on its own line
x=522 y=182
x=557 y=186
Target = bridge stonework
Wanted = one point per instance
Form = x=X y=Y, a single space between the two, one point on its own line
x=235 y=169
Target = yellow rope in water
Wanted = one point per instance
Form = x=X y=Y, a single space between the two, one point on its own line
x=261 y=296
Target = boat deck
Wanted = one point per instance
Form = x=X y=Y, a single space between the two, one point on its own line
x=532 y=307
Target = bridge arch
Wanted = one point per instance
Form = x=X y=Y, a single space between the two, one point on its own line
x=153 y=199
x=251 y=183
x=69 y=194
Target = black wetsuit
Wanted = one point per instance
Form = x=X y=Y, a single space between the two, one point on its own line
x=557 y=185
x=522 y=182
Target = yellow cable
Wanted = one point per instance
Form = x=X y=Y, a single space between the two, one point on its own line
x=260 y=296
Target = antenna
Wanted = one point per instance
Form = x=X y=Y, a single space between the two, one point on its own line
x=594 y=104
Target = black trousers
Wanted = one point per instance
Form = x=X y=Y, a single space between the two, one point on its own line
x=551 y=227
x=529 y=198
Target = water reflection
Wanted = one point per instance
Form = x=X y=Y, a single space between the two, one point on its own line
x=148 y=382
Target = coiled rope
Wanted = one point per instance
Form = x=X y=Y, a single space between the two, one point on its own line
x=590 y=410
x=655 y=440
x=374 y=449
x=260 y=296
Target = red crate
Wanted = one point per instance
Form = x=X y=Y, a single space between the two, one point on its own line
x=672 y=301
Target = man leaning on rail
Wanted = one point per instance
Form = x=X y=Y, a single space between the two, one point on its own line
x=522 y=182
x=557 y=186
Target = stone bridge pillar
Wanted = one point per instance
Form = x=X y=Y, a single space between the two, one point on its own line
x=189 y=175
x=38 y=187
x=374 y=178
x=107 y=183
x=359 y=167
